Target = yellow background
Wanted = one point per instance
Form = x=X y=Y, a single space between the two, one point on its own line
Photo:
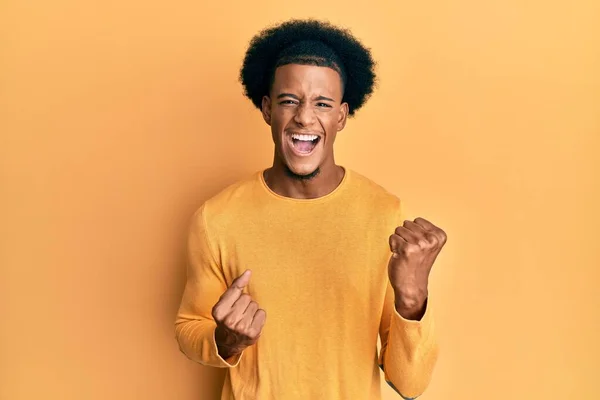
x=118 y=118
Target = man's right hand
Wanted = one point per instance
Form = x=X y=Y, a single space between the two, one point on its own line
x=239 y=320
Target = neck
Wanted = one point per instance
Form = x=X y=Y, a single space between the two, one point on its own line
x=283 y=182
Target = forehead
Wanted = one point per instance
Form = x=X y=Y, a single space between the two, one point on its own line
x=307 y=79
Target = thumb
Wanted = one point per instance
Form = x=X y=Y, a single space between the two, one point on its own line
x=241 y=281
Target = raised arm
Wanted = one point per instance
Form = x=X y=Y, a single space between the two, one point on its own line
x=409 y=349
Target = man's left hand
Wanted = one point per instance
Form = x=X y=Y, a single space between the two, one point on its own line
x=415 y=246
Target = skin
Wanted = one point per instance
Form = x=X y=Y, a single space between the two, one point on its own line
x=304 y=99
x=415 y=245
x=239 y=319
x=307 y=99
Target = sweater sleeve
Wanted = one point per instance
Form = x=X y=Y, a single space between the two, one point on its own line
x=409 y=349
x=194 y=325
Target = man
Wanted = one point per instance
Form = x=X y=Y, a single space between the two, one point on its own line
x=320 y=249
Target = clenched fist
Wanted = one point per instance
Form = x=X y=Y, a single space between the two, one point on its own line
x=415 y=246
x=239 y=319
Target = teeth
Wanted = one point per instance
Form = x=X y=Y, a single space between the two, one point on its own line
x=304 y=137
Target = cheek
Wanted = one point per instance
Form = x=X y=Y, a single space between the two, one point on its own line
x=278 y=124
x=331 y=139
x=279 y=119
x=329 y=123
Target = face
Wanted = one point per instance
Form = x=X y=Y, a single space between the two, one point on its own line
x=305 y=112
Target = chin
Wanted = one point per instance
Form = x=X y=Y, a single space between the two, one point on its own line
x=303 y=170
x=303 y=167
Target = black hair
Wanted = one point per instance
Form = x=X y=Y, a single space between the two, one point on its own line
x=308 y=42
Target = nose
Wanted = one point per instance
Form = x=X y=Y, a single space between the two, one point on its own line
x=304 y=115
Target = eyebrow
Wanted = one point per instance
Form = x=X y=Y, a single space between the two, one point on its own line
x=297 y=98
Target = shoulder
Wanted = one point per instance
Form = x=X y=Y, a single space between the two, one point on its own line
x=234 y=199
x=367 y=190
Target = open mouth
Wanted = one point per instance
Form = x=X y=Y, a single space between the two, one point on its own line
x=305 y=144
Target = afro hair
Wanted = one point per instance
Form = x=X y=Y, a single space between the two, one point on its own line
x=308 y=42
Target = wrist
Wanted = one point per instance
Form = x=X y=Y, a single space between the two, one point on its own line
x=411 y=306
x=227 y=352
x=226 y=345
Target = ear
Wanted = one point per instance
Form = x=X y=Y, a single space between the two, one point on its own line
x=266 y=109
x=342 y=116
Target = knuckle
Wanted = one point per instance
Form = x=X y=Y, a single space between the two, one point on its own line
x=432 y=238
x=245 y=297
x=230 y=321
x=241 y=326
x=443 y=236
x=217 y=314
x=254 y=330
x=411 y=248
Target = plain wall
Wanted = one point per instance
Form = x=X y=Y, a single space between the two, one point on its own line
x=119 y=118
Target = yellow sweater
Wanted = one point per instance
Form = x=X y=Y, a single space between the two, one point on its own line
x=319 y=270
